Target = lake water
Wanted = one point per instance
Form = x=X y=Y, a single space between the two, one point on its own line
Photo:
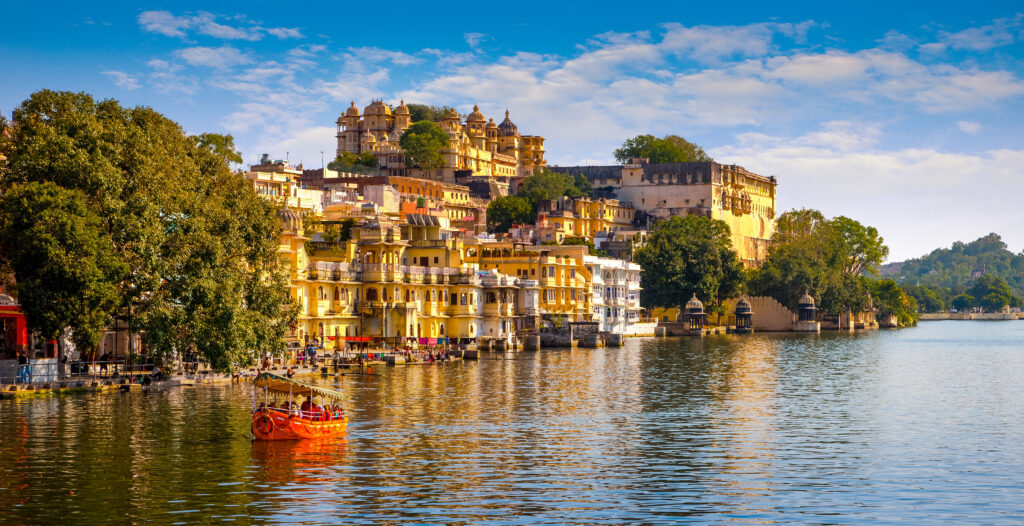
x=922 y=425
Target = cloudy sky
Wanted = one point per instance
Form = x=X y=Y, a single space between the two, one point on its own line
x=905 y=116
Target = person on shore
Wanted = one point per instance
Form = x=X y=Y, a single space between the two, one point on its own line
x=290 y=373
x=24 y=374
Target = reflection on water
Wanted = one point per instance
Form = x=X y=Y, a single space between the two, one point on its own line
x=915 y=425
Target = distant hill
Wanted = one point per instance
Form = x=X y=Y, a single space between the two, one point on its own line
x=958 y=266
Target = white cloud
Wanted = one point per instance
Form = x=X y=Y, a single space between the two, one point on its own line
x=222 y=58
x=714 y=43
x=164 y=23
x=474 y=39
x=1001 y=32
x=969 y=127
x=204 y=23
x=123 y=80
x=284 y=32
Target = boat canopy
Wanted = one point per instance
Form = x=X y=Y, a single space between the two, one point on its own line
x=285 y=385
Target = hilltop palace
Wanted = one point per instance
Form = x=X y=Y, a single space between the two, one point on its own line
x=478 y=147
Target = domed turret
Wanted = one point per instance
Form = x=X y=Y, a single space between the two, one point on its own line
x=491 y=125
x=452 y=115
x=290 y=221
x=807 y=310
x=352 y=110
x=402 y=109
x=507 y=128
x=476 y=116
x=695 y=316
x=744 y=317
x=377 y=107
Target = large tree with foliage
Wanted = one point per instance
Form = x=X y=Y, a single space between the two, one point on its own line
x=668 y=149
x=360 y=163
x=424 y=112
x=685 y=256
x=992 y=293
x=826 y=257
x=196 y=247
x=545 y=185
x=423 y=143
x=505 y=211
x=67 y=270
x=891 y=300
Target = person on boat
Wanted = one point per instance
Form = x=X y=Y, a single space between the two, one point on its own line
x=307 y=406
x=285 y=406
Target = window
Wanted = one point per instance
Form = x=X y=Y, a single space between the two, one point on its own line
x=572 y=273
x=543 y=272
x=435 y=260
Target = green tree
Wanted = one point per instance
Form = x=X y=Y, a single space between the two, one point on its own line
x=221 y=145
x=198 y=246
x=963 y=302
x=65 y=268
x=891 y=300
x=347 y=225
x=587 y=242
x=928 y=299
x=670 y=149
x=957 y=266
x=423 y=112
x=685 y=256
x=993 y=293
x=361 y=163
x=505 y=211
x=423 y=143
x=545 y=185
x=824 y=257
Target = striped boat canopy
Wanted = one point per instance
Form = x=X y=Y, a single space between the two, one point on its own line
x=285 y=385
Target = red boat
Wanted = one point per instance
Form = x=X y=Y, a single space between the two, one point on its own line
x=282 y=415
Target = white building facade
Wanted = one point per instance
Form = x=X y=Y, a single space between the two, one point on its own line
x=616 y=296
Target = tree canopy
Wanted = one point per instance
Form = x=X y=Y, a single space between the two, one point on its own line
x=424 y=112
x=505 y=211
x=522 y=207
x=688 y=255
x=359 y=163
x=423 y=142
x=668 y=149
x=826 y=257
x=186 y=245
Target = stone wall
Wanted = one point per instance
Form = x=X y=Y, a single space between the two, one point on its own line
x=769 y=314
x=971 y=316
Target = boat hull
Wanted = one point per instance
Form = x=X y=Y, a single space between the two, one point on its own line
x=278 y=425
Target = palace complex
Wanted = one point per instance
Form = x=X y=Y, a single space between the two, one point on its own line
x=477 y=147
x=743 y=200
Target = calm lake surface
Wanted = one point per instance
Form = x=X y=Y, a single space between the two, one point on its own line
x=922 y=425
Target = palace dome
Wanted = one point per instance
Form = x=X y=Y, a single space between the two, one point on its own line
x=694 y=305
x=352 y=110
x=377 y=107
x=402 y=109
x=476 y=116
x=452 y=114
x=491 y=124
x=507 y=128
x=290 y=221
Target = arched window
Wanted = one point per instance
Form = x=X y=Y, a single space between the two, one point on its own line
x=371 y=294
x=320 y=293
x=337 y=294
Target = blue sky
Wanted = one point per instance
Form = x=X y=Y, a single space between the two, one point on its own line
x=905 y=116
